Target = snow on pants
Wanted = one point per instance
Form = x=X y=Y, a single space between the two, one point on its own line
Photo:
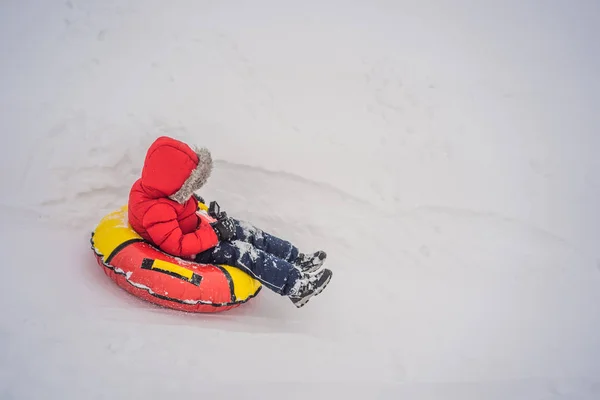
x=264 y=256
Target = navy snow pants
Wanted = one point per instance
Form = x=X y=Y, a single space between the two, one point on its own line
x=264 y=256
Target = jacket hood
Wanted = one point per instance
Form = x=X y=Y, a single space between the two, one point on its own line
x=175 y=170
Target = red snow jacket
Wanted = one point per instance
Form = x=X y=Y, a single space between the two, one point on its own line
x=162 y=208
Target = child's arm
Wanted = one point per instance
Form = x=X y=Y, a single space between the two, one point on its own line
x=161 y=224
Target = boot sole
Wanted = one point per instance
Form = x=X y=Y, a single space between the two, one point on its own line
x=316 y=293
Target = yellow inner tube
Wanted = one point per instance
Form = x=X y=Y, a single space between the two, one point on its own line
x=114 y=232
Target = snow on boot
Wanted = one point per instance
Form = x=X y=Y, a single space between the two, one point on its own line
x=310 y=262
x=309 y=286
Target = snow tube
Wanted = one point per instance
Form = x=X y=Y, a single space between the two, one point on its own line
x=148 y=273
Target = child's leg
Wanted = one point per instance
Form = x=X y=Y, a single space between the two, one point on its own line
x=275 y=273
x=264 y=241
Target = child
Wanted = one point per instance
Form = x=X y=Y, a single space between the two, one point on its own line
x=162 y=209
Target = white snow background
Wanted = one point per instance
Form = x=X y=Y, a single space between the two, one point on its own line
x=443 y=153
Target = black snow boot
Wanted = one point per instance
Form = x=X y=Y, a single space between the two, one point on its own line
x=310 y=262
x=309 y=286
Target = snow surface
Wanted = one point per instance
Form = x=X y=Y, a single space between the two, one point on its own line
x=443 y=153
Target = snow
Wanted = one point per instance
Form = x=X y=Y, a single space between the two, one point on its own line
x=442 y=153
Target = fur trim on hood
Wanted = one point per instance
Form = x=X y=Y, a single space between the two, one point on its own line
x=198 y=177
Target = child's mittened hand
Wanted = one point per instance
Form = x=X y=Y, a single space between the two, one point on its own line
x=225 y=228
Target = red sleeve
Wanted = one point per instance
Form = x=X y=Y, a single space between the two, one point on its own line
x=160 y=221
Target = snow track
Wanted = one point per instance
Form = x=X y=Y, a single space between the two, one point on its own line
x=410 y=299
